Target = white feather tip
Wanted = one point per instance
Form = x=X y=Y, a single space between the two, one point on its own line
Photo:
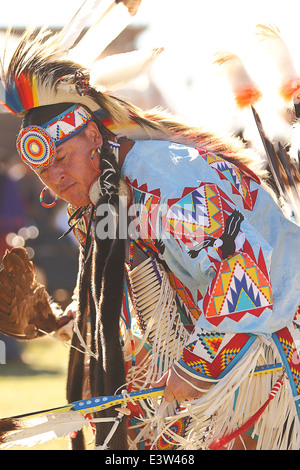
x=117 y=70
x=44 y=428
x=280 y=53
x=244 y=89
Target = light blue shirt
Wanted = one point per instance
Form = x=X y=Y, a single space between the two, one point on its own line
x=190 y=199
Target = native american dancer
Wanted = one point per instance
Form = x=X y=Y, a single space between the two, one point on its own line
x=197 y=291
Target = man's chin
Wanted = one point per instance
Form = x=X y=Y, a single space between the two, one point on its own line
x=76 y=200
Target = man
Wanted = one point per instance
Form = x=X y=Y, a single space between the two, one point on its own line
x=71 y=177
x=206 y=310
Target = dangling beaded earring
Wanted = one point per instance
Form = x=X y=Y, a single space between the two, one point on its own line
x=92 y=157
x=44 y=204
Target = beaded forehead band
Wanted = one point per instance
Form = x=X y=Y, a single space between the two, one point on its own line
x=37 y=144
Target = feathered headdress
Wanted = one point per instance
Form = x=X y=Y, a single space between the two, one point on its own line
x=48 y=69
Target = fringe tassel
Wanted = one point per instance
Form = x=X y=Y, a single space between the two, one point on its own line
x=158 y=318
x=238 y=401
x=218 y=444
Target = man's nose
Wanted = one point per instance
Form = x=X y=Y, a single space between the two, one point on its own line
x=56 y=173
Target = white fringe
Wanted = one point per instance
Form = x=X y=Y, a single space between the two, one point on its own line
x=163 y=328
x=231 y=401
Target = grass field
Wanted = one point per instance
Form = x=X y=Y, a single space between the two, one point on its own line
x=39 y=382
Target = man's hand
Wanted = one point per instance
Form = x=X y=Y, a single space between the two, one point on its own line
x=65 y=325
x=179 y=389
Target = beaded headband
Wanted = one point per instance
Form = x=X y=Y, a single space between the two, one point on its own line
x=37 y=144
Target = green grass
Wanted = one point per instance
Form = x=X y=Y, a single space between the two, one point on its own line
x=36 y=384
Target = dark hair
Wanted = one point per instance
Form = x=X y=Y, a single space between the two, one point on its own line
x=42 y=114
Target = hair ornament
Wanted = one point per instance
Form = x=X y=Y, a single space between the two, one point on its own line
x=82 y=83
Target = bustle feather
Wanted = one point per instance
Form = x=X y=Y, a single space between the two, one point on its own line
x=285 y=173
x=289 y=78
x=112 y=18
x=246 y=92
x=93 y=27
x=89 y=9
x=115 y=71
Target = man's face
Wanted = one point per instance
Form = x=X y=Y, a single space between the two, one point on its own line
x=72 y=173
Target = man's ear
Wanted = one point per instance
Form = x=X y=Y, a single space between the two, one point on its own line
x=94 y=134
